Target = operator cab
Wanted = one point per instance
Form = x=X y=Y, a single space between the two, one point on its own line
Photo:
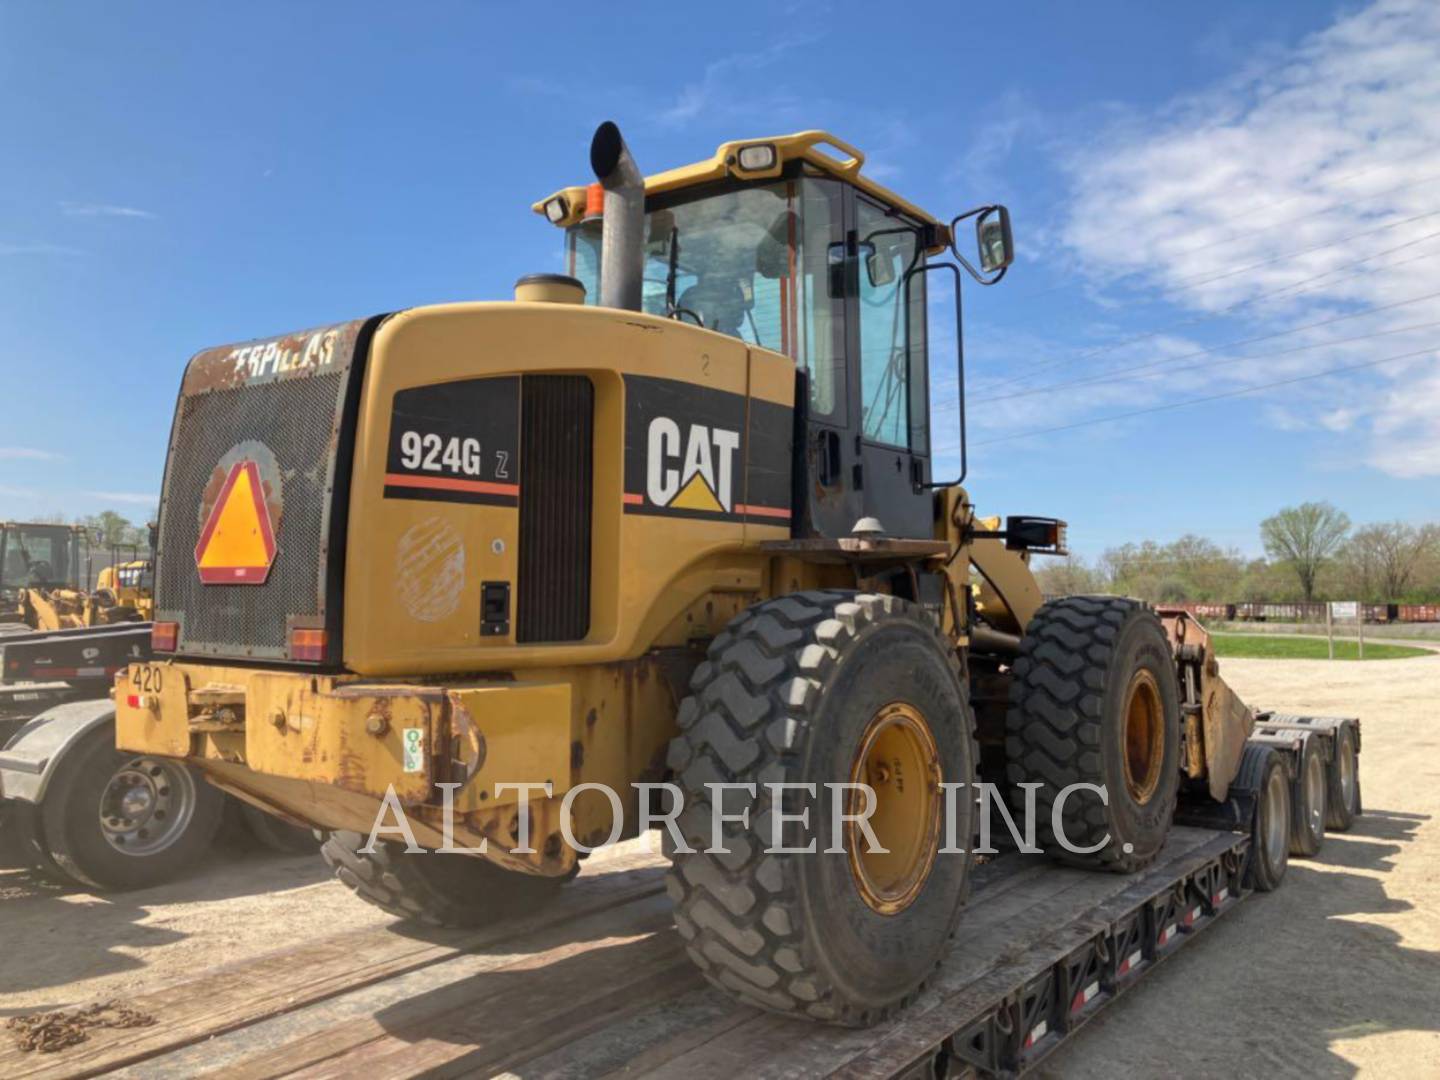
x=801 y=254
x=41 y=556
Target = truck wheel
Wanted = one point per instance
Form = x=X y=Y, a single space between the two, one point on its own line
x=23 y=823
x=1094 y=701
x=813 y=689
x=434 y=888
x=1342 y=783
x=1307 y=799
x=114 y=821
x=1262 y=771
x=276 y=833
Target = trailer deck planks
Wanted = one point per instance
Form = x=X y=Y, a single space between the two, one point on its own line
x=598 y=983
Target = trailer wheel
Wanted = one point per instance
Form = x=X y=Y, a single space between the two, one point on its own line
x=1094 y=701
x=820 y=688
x=277 y=834
x=1342 y=782
x=115 y=821
x=434 y=888
x=1307 y=798
x=23 y=820
x=1262 y=772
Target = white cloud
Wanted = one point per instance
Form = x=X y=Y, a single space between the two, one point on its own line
x=138 y=497
x=88 y=209
x=1319 y=170
x=726 y=89
x=27 y=453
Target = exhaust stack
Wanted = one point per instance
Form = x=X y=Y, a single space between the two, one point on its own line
x=622 y=245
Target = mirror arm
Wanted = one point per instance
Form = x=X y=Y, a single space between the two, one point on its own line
x=910 y=275
x=954 y=250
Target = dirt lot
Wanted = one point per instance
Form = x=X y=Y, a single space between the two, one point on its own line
x=1338 y=972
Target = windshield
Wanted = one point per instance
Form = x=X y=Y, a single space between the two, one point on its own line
x=750 y=262
x=36 y=556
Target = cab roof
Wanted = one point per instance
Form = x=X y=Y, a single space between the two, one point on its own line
x=803 y=145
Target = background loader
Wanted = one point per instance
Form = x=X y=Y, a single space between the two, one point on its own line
x=670 y=519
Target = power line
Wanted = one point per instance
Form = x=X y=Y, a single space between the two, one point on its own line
x=1121 y=374
x=1210 y=397
x=1195 y=282
x=1294 y=288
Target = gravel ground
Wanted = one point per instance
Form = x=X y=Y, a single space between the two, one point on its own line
x=1337 y=973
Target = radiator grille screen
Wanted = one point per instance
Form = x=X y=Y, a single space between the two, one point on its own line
x=556 y=492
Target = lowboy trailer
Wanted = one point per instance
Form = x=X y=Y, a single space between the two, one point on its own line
x=1041 y=951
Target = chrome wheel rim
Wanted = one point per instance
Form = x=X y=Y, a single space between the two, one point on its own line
x=1347 y=773
x=146 y=806
x=1274 y=824
x=1315 y=793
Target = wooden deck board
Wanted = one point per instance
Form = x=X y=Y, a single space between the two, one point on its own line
x=596 y=984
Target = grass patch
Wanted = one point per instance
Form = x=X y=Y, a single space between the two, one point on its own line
x=1286 y=647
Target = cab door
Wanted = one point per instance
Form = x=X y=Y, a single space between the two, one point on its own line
x=887 y=349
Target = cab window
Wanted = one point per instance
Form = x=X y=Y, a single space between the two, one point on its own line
x=750 y=262
x=893 y=389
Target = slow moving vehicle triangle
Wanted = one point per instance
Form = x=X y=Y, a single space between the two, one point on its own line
x=237 y=544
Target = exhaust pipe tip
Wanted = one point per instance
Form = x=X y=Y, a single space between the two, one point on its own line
x=622 y=239
x=606 y=146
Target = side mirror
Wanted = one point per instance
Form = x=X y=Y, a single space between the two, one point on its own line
x=992 y=236
x=879 y=265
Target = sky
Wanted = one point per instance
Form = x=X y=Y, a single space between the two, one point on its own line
x=1207 y=200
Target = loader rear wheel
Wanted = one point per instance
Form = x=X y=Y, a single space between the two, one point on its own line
x=1307 y=800
x=275 y=833
x=434 y=888
x=1262 y=772
x=1342 y=783
x=1094 y=701
x=821 y=688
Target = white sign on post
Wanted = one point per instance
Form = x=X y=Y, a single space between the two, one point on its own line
x=1343 y=609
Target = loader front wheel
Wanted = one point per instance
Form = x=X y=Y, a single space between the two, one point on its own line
x=827 y=694
x=431 y=887
x=1094 y=702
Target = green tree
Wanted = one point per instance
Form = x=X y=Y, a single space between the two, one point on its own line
x=1304 y=537
x=1068 y=576
x=1385 y=558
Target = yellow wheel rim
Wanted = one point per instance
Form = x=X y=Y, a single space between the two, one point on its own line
x=898 y=758
x=1144 y=737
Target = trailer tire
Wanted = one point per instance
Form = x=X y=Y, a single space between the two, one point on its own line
x=1307 y=799
x=1094 y=701
x=1342 y=782
x=433 y=888
x=30 y=846
x=802 y=690
x=1262 y=773
x=77 y=815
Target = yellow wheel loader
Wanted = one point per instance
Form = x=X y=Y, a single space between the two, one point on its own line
x=479 y=587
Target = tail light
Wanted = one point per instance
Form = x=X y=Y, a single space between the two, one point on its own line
x=164 y=636
x=307 y=643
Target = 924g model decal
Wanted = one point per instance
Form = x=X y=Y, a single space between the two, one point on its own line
x=456 y=442
x=687 y=453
